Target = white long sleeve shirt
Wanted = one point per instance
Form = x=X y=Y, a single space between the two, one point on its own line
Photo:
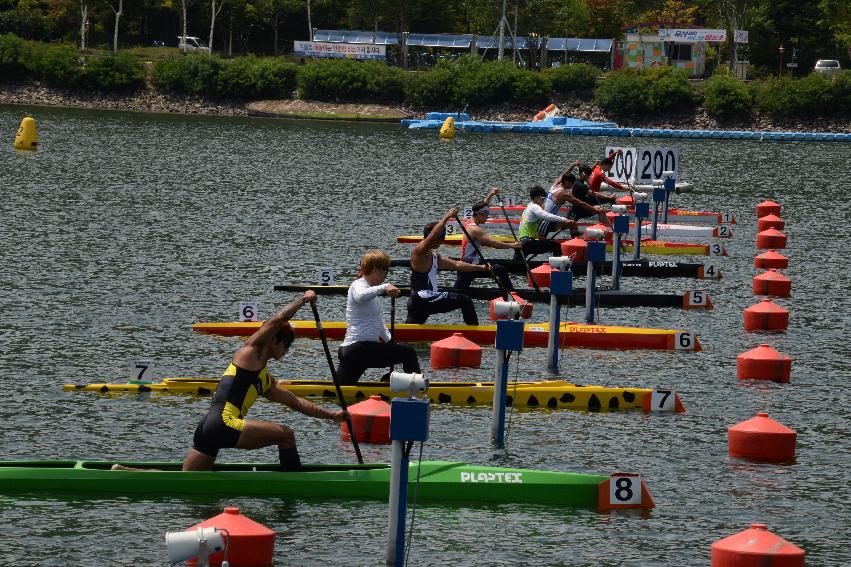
x=364 y=318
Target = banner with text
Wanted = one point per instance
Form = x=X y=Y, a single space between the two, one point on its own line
x=691 y=36
x=339 y=50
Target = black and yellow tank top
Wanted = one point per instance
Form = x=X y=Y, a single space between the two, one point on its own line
x=239 y=389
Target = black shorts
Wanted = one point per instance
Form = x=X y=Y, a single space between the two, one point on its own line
x=212 y=434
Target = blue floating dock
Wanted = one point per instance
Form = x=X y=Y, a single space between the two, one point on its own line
x=577 y=127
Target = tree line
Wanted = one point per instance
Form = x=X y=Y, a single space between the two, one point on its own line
x=808 y=31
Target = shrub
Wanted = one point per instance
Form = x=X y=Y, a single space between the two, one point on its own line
x=431 y=88
x=573 y=78
x=251 y=78
x=785 y=97
x=350 y=80
x=121 y=72
x=530 y=89
x=193 y=73
x=623 y=92
x=669 y=90
x=842 y=91
x=725 y=96
x=56 y=65
x=12 y=51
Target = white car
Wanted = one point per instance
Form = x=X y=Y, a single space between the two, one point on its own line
x=827 y=66
x=193 y=44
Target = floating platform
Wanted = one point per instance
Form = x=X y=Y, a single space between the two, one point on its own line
x=660 y=247
x=576 y=127
x=629 y=268
x=439 y=481
x=534 y=335
x=463 y=122
x=603 y=298
x=553 y=394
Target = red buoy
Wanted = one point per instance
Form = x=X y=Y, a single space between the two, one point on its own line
x=767 y=208
x=770 y=238
x=756 y=547
x=771 y=259
x=454 y=352
x=761 y=438
x=766 y=316
x=575 y=248
x=770 y=221
x=526 y=308
x=626 y=200
x=541 y=274
x=249 y=544
x=764 y=363
x=370 y=420
x=772 y=283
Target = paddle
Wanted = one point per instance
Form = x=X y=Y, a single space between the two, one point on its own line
x=514 y=235
x=505 y=295
x=334 y=378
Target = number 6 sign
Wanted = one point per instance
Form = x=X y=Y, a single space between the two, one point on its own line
x=248 y=310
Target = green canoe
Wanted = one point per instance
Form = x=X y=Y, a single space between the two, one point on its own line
x=439 y=481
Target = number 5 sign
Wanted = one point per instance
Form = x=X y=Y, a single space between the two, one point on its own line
x=248 y=310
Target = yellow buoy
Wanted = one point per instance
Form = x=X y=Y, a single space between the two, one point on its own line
x=27 y=138
x=447 y=131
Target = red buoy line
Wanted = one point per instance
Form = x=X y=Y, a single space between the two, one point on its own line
x=761 y=438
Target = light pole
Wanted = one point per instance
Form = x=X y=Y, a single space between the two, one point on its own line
x=309 y=23
x=781 y=49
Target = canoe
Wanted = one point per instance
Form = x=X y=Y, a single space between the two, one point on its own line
x=662 y=229
x=534 y=335
x=629 y=268
x=604 y=298
x=647 y=246
x=675 y=215
x=440 y=481
x=554 y=394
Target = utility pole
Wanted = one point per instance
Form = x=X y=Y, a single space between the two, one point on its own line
x=309 y=24
x=502 y=30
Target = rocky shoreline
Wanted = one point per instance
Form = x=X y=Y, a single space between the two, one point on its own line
x=151 y=100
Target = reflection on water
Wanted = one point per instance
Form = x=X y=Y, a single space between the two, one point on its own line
x=124 y=229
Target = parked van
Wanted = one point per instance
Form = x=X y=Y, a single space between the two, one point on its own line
x=192 y=44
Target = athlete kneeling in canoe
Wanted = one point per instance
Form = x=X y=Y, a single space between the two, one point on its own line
x=368 y=342
x=470 y=251
x=530 y=220
x=425 y=298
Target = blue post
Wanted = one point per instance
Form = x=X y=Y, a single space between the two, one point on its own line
x=670 y=186
x=408 y=422
x=658 y=199
x=596 y=253
x=561 y=283
x=642 y=211
x=620 y=226
x=509 y=337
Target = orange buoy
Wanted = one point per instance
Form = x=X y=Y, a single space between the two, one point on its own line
x=767 y=208
x=575 y=248
x=773 y=283
x=497 y=314
x=766 y=316
x=370 y=420
x=541 y=275
x=761 y=438
x=454 y=352
x=249 y=544
x=770 y=221
x=771 y=259
x=625 y=200
x=756 y=547
x=770 y=238
x=764 y=363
